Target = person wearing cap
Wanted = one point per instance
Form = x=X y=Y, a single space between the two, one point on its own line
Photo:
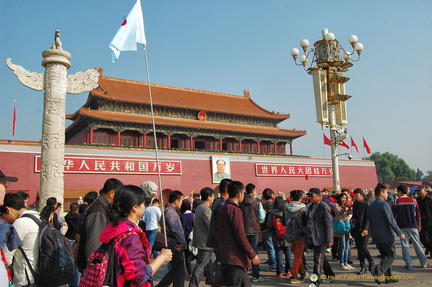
x=425 y=206
x=319 y=233
x=5 y=180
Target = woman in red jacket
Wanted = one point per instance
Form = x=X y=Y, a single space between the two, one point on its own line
x=132 y=253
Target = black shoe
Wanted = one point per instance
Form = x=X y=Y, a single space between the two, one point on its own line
x=375 y=276
x=371 y=266
x=350 y=262
x=362 y=270
x=391 y=281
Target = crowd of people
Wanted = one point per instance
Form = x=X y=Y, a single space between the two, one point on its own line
x=227 y=225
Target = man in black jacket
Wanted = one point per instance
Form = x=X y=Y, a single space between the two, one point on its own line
x=319 y=232
x=96 y=219
x=218 y=202
x=360 y=229
x=425 y=205
x=253 y=214
x=267 y=202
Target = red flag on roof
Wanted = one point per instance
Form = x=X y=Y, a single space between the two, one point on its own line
x=344 y=144
x=366 y=146
x=327 y=141
x=353 y=144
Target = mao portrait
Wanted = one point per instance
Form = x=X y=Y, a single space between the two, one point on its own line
x=221 y=169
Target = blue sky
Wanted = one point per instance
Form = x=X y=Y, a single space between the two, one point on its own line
x=231 y=46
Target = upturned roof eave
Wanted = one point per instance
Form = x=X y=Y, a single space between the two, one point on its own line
x=103 y=92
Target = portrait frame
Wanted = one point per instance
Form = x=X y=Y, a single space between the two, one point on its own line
x=216 y=175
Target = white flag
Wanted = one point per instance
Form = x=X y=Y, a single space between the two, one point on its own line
x=130 y=33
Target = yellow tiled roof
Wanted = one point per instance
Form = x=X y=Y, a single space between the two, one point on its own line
x=137 y=92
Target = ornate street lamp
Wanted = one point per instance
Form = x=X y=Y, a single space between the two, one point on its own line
x=328 y=60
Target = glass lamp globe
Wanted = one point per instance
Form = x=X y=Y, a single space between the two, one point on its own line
x=353 y=39
x=330 y=37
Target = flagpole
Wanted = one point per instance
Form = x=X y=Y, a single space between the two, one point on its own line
x=324 y=150
x=156 y=146
x=131 y=32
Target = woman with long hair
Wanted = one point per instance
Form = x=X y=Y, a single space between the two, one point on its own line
x=282 y=247
x=49 y=215
x=343 y=211
x=72 y=221
x=132 y=251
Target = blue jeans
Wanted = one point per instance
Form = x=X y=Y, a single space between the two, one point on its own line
x=344 y=249
x=253 y=241
x=268 y=244
x=151 y=236
x=280 y=253
x=415 y=239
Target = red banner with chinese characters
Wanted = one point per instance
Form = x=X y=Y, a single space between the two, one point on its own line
x=292 y=170
x=115 y=165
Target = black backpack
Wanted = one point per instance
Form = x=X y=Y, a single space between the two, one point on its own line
x=294 y=229
x=55 y=265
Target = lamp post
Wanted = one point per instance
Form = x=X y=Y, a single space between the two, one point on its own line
x=328 y=60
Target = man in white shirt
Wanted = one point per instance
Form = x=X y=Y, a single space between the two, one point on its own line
x=12 y=210
x=151 y=217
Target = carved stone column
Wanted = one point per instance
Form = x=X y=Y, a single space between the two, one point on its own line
x=56 y=63
x=56 y=84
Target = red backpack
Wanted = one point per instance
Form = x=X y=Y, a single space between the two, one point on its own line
x=279 y=228
x=100 y=270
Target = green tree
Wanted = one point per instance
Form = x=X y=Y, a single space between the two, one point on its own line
x=390 y=168
x=419 y=175
x=428 y=176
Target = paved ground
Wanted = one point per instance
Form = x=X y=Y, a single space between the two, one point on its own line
x=418 y=277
